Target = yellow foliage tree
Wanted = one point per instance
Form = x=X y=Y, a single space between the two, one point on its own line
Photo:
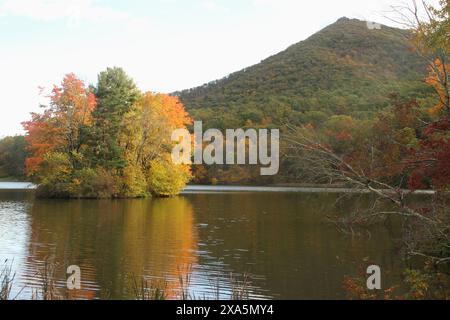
x=146 y=139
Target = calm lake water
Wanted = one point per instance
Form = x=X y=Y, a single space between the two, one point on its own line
x=280 y=239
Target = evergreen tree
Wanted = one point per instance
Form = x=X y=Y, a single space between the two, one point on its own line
x=116 y=93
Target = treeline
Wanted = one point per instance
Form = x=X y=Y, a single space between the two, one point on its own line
x=105 y=141
x=12 y=157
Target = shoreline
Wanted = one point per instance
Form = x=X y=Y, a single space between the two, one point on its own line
x=273 y=189
x=201 y=189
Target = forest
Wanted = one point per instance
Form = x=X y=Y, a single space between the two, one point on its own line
x=339 y=81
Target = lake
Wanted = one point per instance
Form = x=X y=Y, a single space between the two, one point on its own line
x=279 y=238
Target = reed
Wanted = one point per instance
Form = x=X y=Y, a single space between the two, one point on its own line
x=6 y=280
x=149 y=290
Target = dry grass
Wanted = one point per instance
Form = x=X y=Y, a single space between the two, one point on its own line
x=149 y=290
x=47 y=289
x=141 y=289
x=6 y=280
x=239 y=289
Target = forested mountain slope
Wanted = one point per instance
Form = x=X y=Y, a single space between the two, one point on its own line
x=346 y=68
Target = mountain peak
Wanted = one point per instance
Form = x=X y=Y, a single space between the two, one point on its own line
x=346 y=68
x=343 y=19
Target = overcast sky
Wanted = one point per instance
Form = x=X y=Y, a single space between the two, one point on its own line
x=165 y=45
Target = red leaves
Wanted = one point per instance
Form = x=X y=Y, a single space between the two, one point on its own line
x=440 y=126
x=430 y=164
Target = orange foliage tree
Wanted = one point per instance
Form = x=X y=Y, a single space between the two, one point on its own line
x=60 y=126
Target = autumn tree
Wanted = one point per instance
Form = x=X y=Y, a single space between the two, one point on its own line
x=146 y=139
x=62 y=125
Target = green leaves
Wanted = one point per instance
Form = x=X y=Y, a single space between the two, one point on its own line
x=116 y=93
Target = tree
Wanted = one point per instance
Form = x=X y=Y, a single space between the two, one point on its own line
x=116 y=93
x=72 y=105
x=41 y=137
x=146 y=140
x=61 y=126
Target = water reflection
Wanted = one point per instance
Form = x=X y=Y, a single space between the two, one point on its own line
x=279 y=239
x=283 y=240
x=111 y=241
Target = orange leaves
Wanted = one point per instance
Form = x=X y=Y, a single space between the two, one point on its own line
x=168 y=107
x=72 y=100
x=438 y=78
x=57 y=128
x=150 y=122
x=175 y=112
x=42 y=137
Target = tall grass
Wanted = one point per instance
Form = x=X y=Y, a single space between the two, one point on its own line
x=47 y=289
x=240 y=288
x=184 y=282
x=159 y=290
x=149 y=290
x=6 y=280
x=141 y=288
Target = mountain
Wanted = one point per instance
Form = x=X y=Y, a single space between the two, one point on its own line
x=346 y=68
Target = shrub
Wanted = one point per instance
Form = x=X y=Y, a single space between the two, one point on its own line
x=165 y=179
x=55 y=176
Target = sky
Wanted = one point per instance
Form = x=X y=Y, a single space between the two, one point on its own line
x=164 y=45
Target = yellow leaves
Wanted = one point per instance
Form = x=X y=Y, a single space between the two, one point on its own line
x=147 y=140
x=134 y=182
x=166 y=178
